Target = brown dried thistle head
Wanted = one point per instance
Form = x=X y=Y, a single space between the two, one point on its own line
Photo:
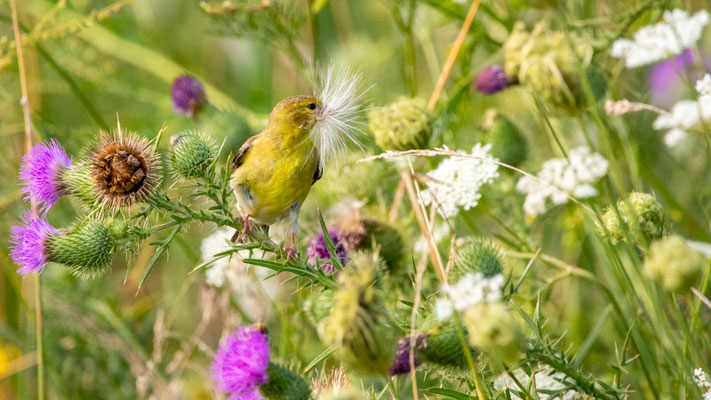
x=125 y=169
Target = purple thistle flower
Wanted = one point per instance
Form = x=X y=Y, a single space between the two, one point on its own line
x=317 y=249
x=27 y=243
x=401 y=364
x=188 y=95
x=40 y=173
x=492 y=79
x=240 y=364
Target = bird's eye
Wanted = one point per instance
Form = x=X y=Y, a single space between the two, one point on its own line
x=311 y=106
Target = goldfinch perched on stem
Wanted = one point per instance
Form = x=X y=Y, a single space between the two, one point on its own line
x=274 y=170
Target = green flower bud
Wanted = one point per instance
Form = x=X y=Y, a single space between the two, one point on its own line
x=444 y=347
x=477 y=255
x=641 y=213
x=673 y=264
x=494 y=330
x=86 y=250
x=358 y=323
x=508 y=144
x=190 y=155
x=402 y=125
x=78 y=184
x=284 y=385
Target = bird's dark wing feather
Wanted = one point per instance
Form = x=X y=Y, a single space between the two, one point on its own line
x=239 y=158
x=319 y=169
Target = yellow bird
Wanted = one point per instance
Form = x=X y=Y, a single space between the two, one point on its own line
x=274 y=170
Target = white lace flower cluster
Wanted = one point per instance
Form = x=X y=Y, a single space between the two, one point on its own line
x=252 y=293
x=459 y=179
x=703 y=382
x=686 y=114
x=561 y=178
x=470 y=290
x=548 y=383
x=652 y=43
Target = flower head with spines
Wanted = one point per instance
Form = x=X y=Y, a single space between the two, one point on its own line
x=40 y=173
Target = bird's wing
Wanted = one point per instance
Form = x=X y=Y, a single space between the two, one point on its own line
x=319 y=171
x=239 y=158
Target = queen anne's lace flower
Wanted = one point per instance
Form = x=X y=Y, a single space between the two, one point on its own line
x=459 y=179
x=653 y=43
x=703 y=382
x=469 y=291
x=686 y=114
x=703 y=86
x=562 y=178
x=549 y=384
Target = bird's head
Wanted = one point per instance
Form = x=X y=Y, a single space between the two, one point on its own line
x=297 y=111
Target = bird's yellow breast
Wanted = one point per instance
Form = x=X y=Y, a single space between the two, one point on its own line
x=275 y=175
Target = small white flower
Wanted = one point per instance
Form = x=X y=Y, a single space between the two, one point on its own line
x=653 y=43
x=470 y=290
x=674 y=136
x=683 y=116
x=560 y=178
x=702 y=381
x=458 y=181
x=703 y=86
x=549 y=384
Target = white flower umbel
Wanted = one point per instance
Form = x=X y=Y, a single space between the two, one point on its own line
x=253 y=294
x=338 y=121
x=703 y=86
x=653 y=43
x=548 y=383
x=683 y=116
x=469 y=291
x=457 y=181
x=703 y=382
x=560 y=178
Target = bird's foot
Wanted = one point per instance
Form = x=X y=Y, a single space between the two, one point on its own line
x=291 y=252
x=243 y=236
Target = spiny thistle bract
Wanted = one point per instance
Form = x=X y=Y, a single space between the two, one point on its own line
x=493 y=329
x=508 y=144
x=402 y=125
x=477 y=255
x=549 y=62
x=642 y=214
x=79 y=184
x=125 y=169
x=358 y=323
x=674 y=264
x=191 y=154
x=284 y=384
x=443 y=346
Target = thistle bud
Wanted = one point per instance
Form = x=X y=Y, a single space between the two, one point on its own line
x=508 y=144
x=357 y=323
x=443 y=346
x=188 y=95
x=493 y=79
x=78 y=184
x=190 y=154
x=402 y=125
x=642 y=214
x=124 y=170
x=284 y=384
x=401 y=364
x=494 y=330
x=673 y=264
x=477 y=255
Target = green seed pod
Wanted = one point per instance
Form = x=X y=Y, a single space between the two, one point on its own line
x=643 y=215
x=358 y=323
x=190 y=154
x=78 y=184
x=508 y=144
x=402 y=125
x=477 y=255
x=284 y=385
x=494 y=330
x=444 y=346
x=673 y=264
x=86 y=250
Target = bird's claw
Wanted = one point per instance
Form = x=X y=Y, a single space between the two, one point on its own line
x=246 y=230
x=291 y=252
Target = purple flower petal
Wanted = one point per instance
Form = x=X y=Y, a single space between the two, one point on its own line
x=40 y=173
x=492 y=79
x=317 y=249
x=27 y=243
x=240 y=364
x=188 y=95
x=401 y=364
x=253 y=395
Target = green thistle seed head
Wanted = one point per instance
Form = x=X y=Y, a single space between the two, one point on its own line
x=508 y=144
x=78 y=184
x=443 y=346
x=357 y=323
x=86 y=249
x=643 y=215
x=494 y=330
x=673 y=264
x=402 y=125
x=477 y=255
x=190 y=154
x=284 y=385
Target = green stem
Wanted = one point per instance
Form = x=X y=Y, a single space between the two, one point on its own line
x=38 y=334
